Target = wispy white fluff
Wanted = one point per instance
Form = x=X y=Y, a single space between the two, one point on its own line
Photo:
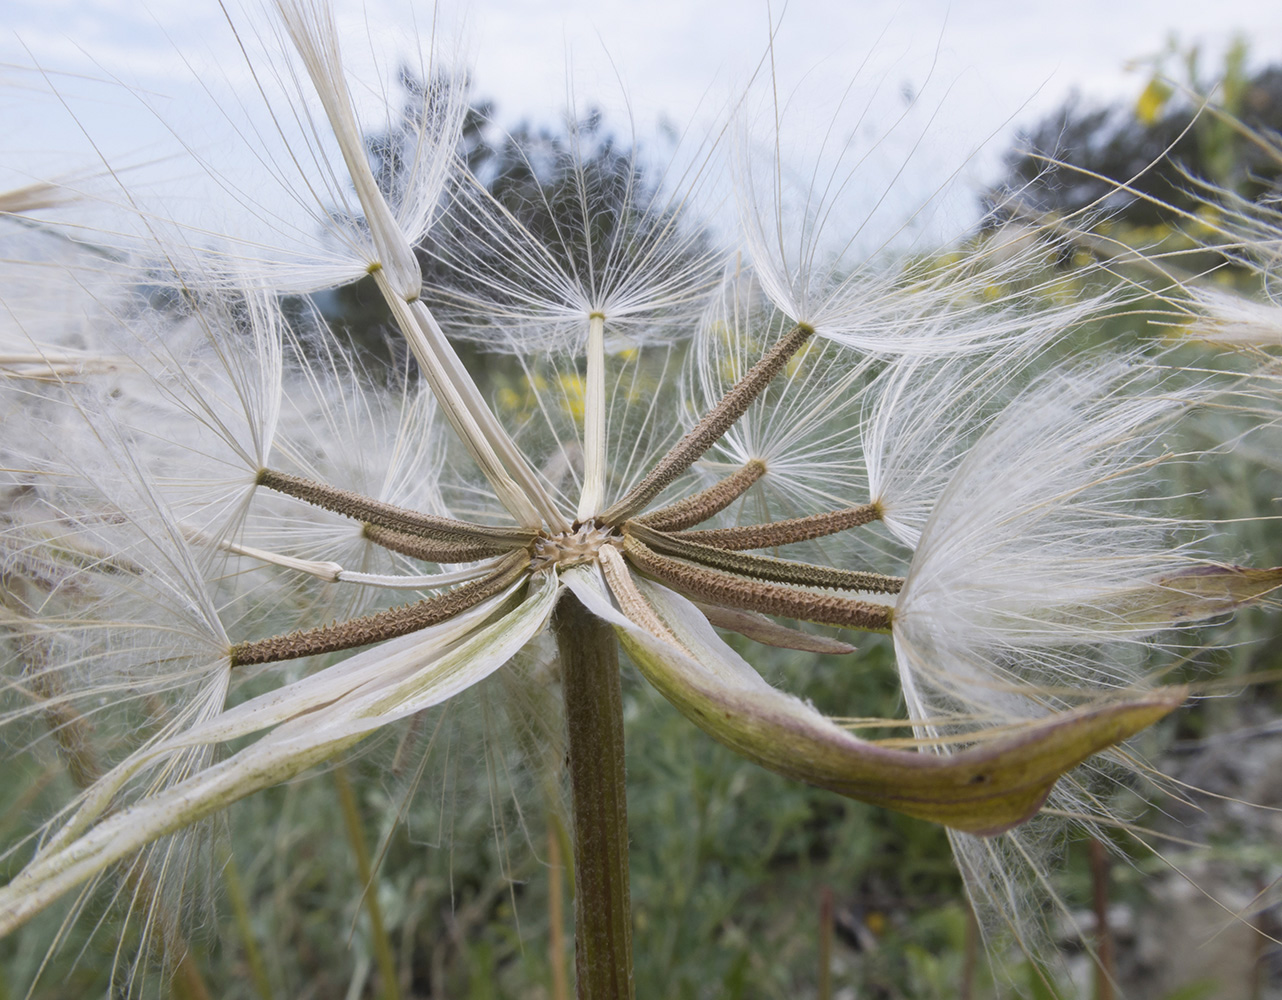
x=108 y=620
x=623 y=262
x=341 y=427
x=1225 y=318
x=393 y=236
x=1045 y=524
x=831 y=246
x=923 y=415
x=61 y=305
x=422 y=674
x=253 y=183
x=390 y=230
x=803 y=426
x=1019 y=598
x=628 y=248
x=1030 y=513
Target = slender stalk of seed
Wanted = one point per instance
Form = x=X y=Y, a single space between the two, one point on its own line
x=514 y=482
x=387 y=515
x=765 y=630
x=332 y=572
x=598 y=797
x=776 y=533
x=594 y=421
x=707 y=431
x=718 y=587
x=422 y=581
x=360 y=851
x=763 y=567
x=697 y=508
x=383 y=624
x=433 y=549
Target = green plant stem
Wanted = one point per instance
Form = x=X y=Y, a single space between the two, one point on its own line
x=356 y=837
x=244 y=926
x=970 y=955
x=556 y=919
x=187 y=983
x=1105 y=968
x=825 y=943
x=598 y=797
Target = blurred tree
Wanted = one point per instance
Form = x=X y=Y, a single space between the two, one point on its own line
x=1076 y=157
x=573 y=180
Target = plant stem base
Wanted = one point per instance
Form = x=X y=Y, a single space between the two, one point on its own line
x=598 y=795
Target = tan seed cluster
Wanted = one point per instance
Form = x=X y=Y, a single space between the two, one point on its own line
x=572 y=548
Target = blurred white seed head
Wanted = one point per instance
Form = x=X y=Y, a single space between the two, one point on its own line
x=590 y=226
x=1050 y=550
x=801 y=426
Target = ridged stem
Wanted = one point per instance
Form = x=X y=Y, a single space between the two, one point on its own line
x=598 y=797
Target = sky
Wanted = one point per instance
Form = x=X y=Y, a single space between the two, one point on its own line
x=979 y=68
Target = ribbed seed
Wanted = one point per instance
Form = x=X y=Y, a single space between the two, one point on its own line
x=387 y=515
x=707 y=431
x=763 y=567
x=430 y=549
x=733 y=591
x=702 y=505
x=383 y=624
x=775 y=533
x=631 y=600
x=765 y=630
